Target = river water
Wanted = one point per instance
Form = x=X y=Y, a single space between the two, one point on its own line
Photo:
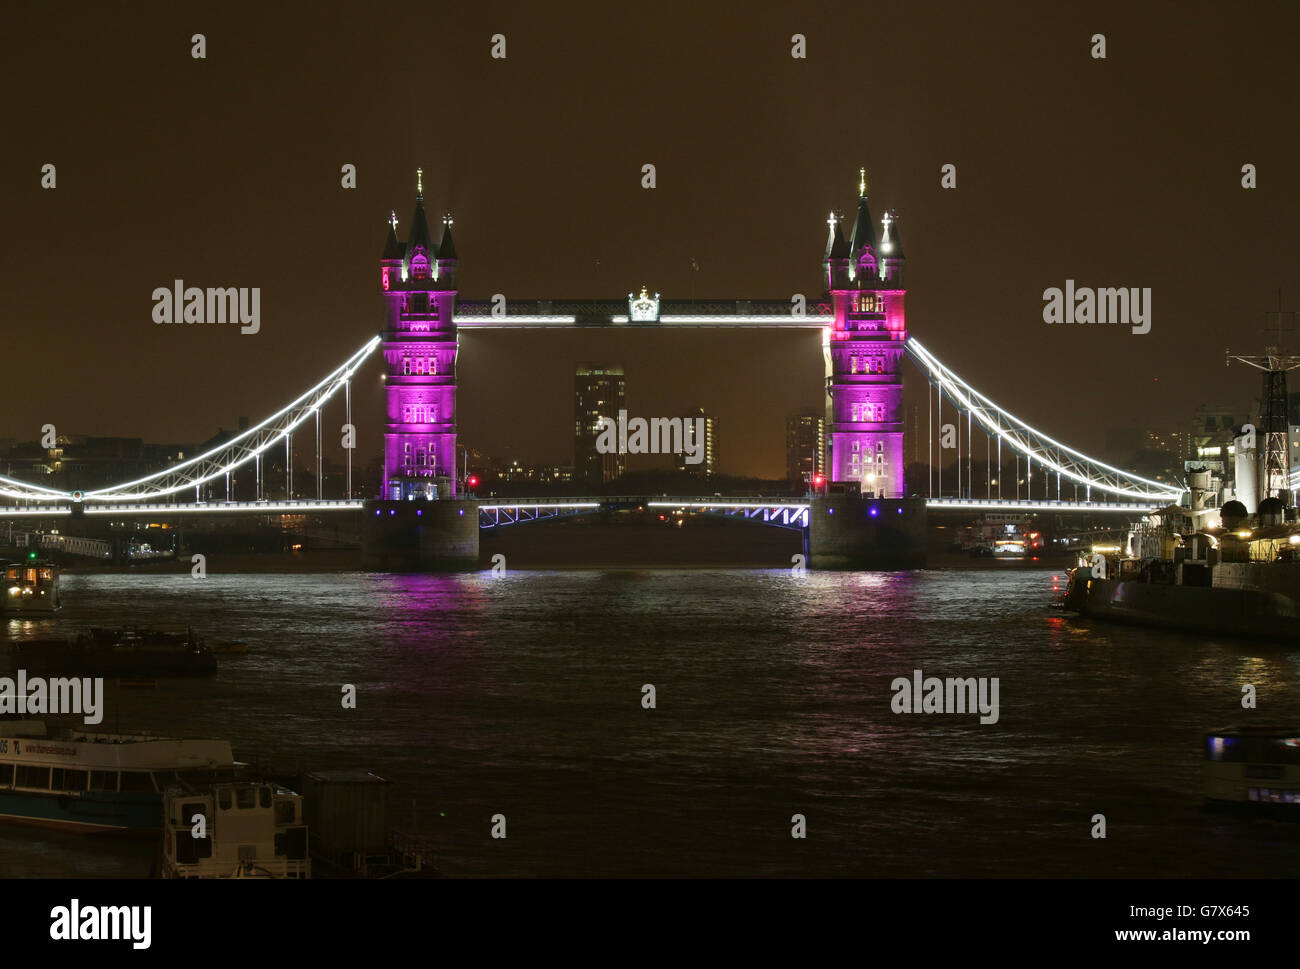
x=522 y=694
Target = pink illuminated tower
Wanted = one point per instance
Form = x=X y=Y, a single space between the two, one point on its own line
x=419 y=284
x=864 y=350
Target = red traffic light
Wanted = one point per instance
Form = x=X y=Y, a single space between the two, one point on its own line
x=472 y=481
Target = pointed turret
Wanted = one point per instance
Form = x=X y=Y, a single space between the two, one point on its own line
x=836 y=245
x=864 y=234
x=891 y=243
x=447 y=255
x=420 y=235
x=835 y=264
x=891 y=249
x=446 y=248
x=392 y=248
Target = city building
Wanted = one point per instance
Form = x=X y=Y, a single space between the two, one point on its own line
x=707 y=466
x=805 y=446
x=598 y=391
x=514 y=472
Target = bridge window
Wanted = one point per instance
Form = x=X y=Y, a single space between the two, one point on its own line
x=419 y=365
x=420 y=303
x=433 y=366
x=406 y=365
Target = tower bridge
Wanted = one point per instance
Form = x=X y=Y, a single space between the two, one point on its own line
x=423 y=518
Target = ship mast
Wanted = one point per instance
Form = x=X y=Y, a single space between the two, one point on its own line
x=1274 y=363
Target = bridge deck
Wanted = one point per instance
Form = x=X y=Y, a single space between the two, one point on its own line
x=545 y=507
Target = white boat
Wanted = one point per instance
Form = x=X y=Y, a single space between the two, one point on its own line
x=98 y=782
x=242 y=829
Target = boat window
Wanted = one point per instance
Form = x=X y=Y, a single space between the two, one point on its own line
x=284 y=813
x=223 y=798
x=1284 y=750
x=103 y=780
x=1255 y=750
x=266 y=797
x=189 y=810
x=245 y=797
x=136 y=781
x=6 y=775
x=33 y=776
x=68 y=779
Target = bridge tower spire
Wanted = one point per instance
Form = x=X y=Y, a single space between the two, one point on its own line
x=867 y=344
x=419 y=345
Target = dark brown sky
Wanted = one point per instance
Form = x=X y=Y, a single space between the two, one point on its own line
x=225 y=172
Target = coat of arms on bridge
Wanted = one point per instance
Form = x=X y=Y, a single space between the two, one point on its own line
x=643 y=308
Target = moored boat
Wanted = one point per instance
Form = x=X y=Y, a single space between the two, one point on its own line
x=1256 y=767
x=240 y=829
x=119 y=652
x=99 y=782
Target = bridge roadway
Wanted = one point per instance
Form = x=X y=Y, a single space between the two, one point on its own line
x=790 y=511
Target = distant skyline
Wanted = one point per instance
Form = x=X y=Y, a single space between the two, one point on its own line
x=226 y=172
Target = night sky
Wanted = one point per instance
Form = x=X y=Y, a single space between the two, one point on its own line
x=226 y=172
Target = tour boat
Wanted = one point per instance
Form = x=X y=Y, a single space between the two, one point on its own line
x=30 y=587
x=249 y=829
x=1254 y=766
x=98 y=782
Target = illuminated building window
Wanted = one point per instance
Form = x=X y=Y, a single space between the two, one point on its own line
x=419 y=366
x=853 y=364
x=406 y=365
x=857 y=446
x=433 y=366
x=406 y=419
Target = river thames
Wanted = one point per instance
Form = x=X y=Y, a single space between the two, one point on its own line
x=522 y=695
